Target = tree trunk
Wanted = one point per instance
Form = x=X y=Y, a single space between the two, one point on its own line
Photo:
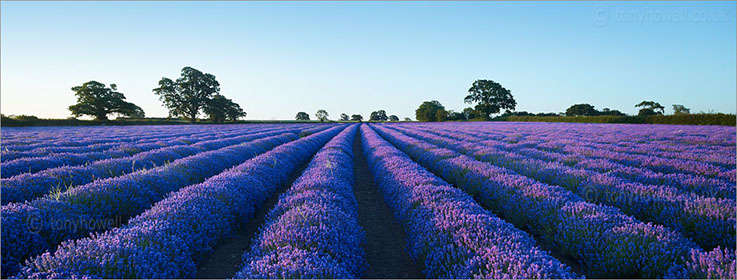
x=101 y=117
x=193 y=114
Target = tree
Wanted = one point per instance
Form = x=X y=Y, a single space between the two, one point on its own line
x=610 y=112
x=393 y=118
x=321 y=115
x=407 y=119
x=441 y=115
x=469 y=113
x=456 y=116
x=650 y=108
x=302 y=116
x=189 y=94
x=97 y=100
x=491 y=97
x=356 y=117
x=428 y=111
x=219 y=109
x=234 y=112
x=581 y=110
x=379 y=115
x=215 y=108
x=680 y=110
x=344 y=117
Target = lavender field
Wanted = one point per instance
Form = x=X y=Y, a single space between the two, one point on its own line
x=370 y=200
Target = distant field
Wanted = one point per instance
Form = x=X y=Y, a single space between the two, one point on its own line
x=374 y=200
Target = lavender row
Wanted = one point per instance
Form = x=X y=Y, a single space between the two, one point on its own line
x=129 y=147
x=697 y=184
x=8 y=155
x=84 y=136
x=648 y=149
x=313 y=231
x=35 y=226
x=710 y=137
x=29 y=186
x=172 y=237
x=577 y=146
x=664 y=165
x=36 y=164
x=555 y=137
x=691 y=183
x=118 y=135
x=30 y=135
x=20 y=137
x=716 y=264
x=608 y=243
x=610 y=138
x=643 y=148
x=448 y=232
x=708 y=221
x=314 y=129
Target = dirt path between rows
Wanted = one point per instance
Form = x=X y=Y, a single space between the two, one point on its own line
x=567 y=260
x=226 y=258
x=385 y=247
x=385 y=239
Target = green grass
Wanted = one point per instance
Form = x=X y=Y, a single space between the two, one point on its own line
x=693 y=119
x=21 y=121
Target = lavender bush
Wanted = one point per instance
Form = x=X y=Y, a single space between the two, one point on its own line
x=313 y=230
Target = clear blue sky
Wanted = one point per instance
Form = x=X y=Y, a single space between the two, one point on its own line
x=276 y=59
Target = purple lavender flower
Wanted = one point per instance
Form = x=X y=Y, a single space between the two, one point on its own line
x=107 y=203
x=168 y=239
x=448 y=232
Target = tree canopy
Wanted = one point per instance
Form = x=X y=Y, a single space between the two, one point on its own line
x=430 y=111
x=610 y=112
x=219 y=109
x=97 y=100
x=344 y=117
x=356 y=117
x=469 y=113
x=456 y=116
x=650 y=108
x=393 y=118
x=379 y=115
x=302 y=116
x=490 y=97
x=581 y=110
x=321 y=115
x=680 y=110
x=189 y=94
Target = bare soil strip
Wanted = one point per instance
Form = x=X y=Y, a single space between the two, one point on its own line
x=226 y=258
x=386 y=244
x=567 y=260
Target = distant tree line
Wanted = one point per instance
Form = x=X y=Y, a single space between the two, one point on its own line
x=489 y=98
x=647 y=108
x=322 y=116
x=195 y=93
